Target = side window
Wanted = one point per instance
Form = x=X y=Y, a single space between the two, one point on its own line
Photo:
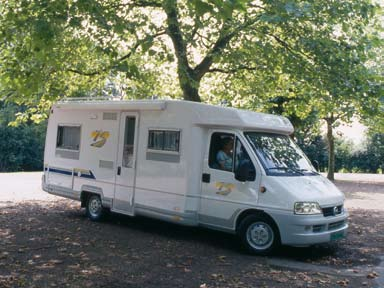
x=68 y=141
x=164 y=140
x=221 y=151
x=242 y=160
x=68 y=137
x=129 y=141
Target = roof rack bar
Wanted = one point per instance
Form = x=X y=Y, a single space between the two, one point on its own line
x=88 y=99
x=106 y=98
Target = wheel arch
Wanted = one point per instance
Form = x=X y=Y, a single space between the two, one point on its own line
x=84 y=195
x=87 y=191
x=257 y=212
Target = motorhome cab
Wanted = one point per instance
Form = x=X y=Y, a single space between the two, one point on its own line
x=194 y=164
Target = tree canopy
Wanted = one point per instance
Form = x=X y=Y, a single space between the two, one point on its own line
x=61 y=47
x=304 y=57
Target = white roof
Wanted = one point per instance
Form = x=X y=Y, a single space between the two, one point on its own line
x=204 y=114
x=131 y=105
x=244 y=119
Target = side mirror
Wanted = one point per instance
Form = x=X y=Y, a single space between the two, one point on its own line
x=243 y=173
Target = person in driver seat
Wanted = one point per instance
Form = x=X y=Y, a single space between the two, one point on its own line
x=224 y=156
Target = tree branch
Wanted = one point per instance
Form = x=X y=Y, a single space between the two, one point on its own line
x=83 y=73
x=295 y=53
x=146 y=3
x=288 y=47
x=122 y=58
x=7 y=95
x=233 y=70
x=137 y=45
x=203 y=39
x=194 y=30
x=225 y=37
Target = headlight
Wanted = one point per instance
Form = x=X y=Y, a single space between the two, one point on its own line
x=307 y=208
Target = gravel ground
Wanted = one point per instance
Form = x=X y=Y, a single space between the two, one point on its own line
x=46 y=241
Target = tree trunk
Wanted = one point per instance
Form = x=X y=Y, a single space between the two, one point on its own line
x=189 y=85
x=189 y=82
x=191 y=93
x=190 y=78
x=331 y=150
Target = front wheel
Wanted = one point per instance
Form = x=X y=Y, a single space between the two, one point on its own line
x=94 y=208
x=259 y=234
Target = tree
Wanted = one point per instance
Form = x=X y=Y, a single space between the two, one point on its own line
x=59 y=40
x=313 y=53
x=374 y=153
x=333 y=76
x=346 y=90
x=21 y=147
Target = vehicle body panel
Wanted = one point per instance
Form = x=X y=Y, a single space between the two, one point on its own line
x=181 y=186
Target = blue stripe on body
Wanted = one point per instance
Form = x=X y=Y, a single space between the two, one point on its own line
x=90 y=176
x=66 y=172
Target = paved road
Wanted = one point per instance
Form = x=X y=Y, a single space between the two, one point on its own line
x=46 y=241
x=22 y=186
x=360 y=177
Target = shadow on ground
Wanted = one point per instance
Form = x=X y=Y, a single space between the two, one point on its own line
x=53 y=243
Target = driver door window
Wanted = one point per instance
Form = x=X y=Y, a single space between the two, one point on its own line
x=227 y=153
x=221 y=151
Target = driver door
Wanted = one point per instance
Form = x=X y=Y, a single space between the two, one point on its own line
x=222 y=195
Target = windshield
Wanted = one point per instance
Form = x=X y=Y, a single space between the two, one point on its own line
x=279 y=155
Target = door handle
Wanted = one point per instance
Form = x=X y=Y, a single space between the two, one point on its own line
x=118 y=170
x=206 y=178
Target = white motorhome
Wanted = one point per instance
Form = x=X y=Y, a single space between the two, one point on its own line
x=194 y=164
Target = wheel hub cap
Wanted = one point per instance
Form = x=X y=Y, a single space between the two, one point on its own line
x=94 y=207
x=260 y=235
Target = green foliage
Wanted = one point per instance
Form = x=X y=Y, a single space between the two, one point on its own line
x=21 y=147
x=367 y=159
x=372 y=158
x=62 y=48
x=363 y=160
x=306 y=60
x=344 y=154
x=315 y=148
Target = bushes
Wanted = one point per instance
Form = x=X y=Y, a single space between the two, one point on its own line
x=21 y=147
x=316 y=150
x=369 y=159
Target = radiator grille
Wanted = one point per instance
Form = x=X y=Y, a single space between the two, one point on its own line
x=332 y=211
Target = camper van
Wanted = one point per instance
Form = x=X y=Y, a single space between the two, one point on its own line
x=194 y=164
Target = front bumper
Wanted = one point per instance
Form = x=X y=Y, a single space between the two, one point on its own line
x=306 y=230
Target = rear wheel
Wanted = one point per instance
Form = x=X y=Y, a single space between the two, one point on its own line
x=94 y=208
x=259 y=234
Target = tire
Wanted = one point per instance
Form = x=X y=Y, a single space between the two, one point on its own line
x=259 y=234
x=94 y=208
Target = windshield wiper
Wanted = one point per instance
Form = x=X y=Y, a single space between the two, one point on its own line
x=286 y=169
x=310 y=171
